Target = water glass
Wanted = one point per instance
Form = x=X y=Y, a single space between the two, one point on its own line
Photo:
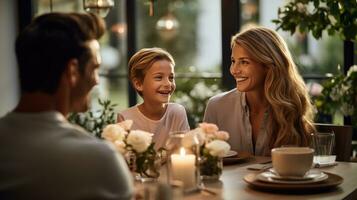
x=323 y=144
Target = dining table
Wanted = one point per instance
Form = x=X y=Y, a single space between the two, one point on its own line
x=232 y=185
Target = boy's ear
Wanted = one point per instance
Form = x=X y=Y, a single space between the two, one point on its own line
x=138 y=85
x=72 y=72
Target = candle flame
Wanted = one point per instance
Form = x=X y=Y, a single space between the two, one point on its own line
x=182 y=151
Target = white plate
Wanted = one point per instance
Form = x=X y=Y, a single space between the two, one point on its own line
x=230 y=153
x=311 y=176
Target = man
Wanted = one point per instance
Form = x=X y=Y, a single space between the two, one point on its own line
x=42 y=155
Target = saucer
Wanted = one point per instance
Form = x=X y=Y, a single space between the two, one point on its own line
x=331 y=182
x=240 y=157
x=311 y=176
x=230 y=153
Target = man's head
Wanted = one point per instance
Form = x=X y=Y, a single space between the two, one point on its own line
x=57 y=48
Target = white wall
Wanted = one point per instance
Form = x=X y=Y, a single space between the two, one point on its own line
x=9 y=92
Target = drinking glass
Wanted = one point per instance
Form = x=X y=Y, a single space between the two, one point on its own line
x=323 y=144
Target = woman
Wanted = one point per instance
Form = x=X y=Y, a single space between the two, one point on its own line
x=270 y=106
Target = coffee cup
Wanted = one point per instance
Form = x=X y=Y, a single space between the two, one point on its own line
x=292 y=161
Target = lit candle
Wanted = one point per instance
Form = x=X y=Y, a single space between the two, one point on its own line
x=183 y=168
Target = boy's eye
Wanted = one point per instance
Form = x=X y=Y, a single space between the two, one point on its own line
x=232 y=61
x=158 y=77
x=171 y=78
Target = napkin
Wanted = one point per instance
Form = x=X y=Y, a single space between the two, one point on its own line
x=325 y=161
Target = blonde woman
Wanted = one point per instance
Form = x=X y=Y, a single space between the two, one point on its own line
x=270 y=106
x=151 y=71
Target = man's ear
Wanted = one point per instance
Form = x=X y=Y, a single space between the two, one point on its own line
x=72 y=71
x=138 y=85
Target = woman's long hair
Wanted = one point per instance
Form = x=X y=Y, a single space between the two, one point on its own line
x=291 y=113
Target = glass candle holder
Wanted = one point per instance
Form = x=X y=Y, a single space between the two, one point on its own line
x=183 y=161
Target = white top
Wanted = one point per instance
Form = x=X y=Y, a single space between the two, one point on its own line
x=174 y=119
x=230 y=112
x=42 y=156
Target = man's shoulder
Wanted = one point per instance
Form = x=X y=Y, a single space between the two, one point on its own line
x=78 y=138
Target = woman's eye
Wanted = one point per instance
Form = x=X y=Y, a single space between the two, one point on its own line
x=232 y=61
x=243 y=62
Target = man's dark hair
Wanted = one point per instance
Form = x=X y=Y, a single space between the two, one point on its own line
x=45 y=46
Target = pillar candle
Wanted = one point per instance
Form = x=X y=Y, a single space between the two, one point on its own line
x=183 y=168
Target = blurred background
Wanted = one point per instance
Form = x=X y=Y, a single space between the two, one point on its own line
x=196 y=32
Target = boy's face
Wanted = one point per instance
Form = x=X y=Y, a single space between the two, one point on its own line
x=159 y=83
x=87 y=80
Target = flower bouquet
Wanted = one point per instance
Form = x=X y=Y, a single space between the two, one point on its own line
x=213 y=147
x=136 y=146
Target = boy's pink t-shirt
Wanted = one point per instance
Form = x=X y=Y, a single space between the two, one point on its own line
x=174 y=119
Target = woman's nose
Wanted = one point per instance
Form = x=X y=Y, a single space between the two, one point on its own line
x=234 y=69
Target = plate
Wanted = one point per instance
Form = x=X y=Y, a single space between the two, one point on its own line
x=230 y=153
x=332 y=181
x=240 y=157
x=312 y=176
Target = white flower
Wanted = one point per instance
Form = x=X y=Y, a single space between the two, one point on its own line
x=332 y=19
x=218 y=148
x=208 y=128
x=113 y=132
x=222 y=135
x=90 y=125
x=352 y=69
x=139 y=140
x=120 y=146
x=126 y=125
x=200 y=91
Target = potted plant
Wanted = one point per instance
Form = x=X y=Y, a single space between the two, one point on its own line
x=316 y=16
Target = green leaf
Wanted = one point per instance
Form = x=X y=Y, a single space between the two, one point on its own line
x=316 y=3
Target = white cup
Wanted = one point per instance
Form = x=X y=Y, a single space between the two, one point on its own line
x=292 y=161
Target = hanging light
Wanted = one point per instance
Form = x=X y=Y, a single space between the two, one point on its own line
x=167 y=26
x=99 y=7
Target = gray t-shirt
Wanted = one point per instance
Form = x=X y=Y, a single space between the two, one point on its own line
x=174 y=119
x=42 y=156
x=230 y=112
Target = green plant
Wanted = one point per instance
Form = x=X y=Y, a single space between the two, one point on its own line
x=95 y=121
x=194 y=94
x=333 y=16
x=339 y=94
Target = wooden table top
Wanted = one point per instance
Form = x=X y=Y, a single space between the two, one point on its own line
x=232 y=186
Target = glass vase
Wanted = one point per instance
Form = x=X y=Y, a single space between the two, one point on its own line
x=143 y=168
x=211 y=167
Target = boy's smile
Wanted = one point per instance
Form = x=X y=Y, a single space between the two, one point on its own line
x=159 y=83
